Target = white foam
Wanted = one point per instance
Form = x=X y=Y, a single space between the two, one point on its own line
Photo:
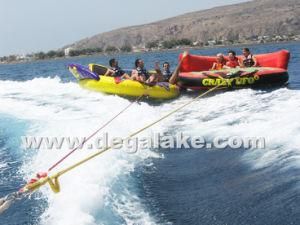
x=64 y=109
x=3 y=166
x=101 y=191
x=249 y=113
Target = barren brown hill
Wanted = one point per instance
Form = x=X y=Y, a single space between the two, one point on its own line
x=234 y=22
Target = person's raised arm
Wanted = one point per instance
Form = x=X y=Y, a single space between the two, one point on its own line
x=214 y=67
x=241 y=63
x=255 y=61
x=174 y=78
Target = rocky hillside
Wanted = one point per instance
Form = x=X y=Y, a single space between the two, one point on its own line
x=239 y=22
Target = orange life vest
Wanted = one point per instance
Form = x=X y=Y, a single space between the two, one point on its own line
x=233 y=63
x=219 y=66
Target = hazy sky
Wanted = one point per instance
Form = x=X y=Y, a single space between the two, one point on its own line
x=33 y=25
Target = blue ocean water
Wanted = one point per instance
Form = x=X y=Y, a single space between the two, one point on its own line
x=160 y=186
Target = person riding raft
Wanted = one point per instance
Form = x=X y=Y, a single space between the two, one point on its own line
x=140 y=74
x=233 y=61
x=248 y=60
x=115 y=70
x=165 y=75
x=220 y=62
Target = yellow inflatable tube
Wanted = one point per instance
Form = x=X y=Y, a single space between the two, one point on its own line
x=130 y=88
x=111 y=85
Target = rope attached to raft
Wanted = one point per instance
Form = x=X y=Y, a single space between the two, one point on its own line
x=53 y=180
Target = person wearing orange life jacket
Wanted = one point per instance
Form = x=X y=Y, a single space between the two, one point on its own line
x=248 y=60
x=220 y=62
x=233 y=61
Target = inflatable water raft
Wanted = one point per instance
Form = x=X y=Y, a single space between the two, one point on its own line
x=113 y=85
x=272 y=71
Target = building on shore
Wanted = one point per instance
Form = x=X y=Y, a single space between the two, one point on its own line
x=67 y=51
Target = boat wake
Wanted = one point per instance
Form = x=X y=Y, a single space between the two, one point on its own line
x=105 y=190
x=100 y=191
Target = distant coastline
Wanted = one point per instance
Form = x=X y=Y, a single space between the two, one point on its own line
x=14 y=59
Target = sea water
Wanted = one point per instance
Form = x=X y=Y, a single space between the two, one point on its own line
x=152 y=186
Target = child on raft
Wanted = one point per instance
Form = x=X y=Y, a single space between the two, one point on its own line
x=247 y=60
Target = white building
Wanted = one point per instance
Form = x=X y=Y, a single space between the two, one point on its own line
x=67 y=51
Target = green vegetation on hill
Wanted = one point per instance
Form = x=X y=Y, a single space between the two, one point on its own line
x=86 y=51
x=173 y=43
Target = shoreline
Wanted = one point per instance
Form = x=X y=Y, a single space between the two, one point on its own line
x=182 y=48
